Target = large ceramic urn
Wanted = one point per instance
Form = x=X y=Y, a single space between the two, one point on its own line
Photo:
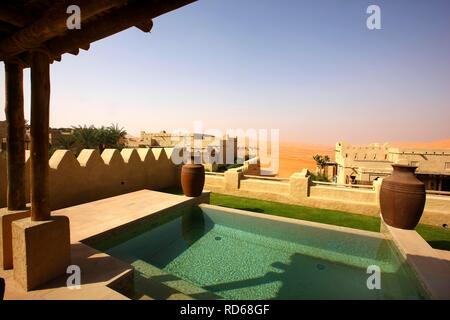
x=192 y=179
x=402 y=198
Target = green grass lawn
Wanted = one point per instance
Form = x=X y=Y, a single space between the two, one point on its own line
x=437 y=237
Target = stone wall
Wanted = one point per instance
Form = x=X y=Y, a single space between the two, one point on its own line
x=252 y=166
x=298 y=189
x=366 y=163
x=92 y=176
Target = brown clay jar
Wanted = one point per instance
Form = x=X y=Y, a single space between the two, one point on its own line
x=402 y=198
x=192 y=179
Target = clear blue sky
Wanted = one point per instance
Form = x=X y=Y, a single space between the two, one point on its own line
x=309 y=68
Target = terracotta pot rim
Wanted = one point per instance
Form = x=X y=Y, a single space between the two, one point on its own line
x=395 y=165
x=192 y=165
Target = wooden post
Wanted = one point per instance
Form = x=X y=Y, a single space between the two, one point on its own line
x=40 y=109
x=16 y=136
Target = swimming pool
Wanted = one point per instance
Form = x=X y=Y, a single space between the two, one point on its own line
x=214 y=252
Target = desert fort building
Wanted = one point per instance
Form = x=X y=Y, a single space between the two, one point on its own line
x=224 y=150
x=364 y=164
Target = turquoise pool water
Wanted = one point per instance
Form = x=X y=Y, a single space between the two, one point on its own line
x=236 y=256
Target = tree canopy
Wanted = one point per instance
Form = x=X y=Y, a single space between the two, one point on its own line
x=84 y=137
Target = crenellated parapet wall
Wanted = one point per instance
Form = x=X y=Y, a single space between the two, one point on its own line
x=93 y=176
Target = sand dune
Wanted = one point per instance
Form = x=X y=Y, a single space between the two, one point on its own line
x=439 y=144
x=296 y=156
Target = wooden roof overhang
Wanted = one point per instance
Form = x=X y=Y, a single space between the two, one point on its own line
x=35 y=33
x=27 y=25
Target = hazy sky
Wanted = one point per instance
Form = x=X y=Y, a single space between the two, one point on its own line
x=309 y=68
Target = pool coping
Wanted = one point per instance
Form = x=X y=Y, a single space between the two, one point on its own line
x=425 y=261
x=122 y=283
x=106 y=275
x=296 y=221
x=377 y=235
x=201 y=205
x=100 y=236
x=431 y=266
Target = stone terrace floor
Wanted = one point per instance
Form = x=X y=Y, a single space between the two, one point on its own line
x=98 y=270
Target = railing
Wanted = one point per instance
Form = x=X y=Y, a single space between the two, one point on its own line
x=438 y=193
x=341 y=185
x=267 y=178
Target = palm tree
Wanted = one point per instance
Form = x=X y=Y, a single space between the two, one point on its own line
x=111 y=137
x=86 y=137
x=66 y=142
x=116 y=135
x=321 y=162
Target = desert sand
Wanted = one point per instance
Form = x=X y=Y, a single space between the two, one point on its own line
x=294 y=156
x=439 y=144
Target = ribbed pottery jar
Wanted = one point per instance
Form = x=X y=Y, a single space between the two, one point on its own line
x=402 y=198
x=192 y=179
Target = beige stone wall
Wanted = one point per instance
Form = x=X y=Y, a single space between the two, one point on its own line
x=213 y=150
x=372 y=161
x=431 y=161
x=354 y=195
x=92 y=176
x=301 y=191
x=248 y=187
x=352 y=160
x=215 y=181
x=252 y=167
x=275 y=187
x=374 y=154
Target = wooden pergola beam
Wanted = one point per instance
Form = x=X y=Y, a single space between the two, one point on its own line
x=52 y=24
x=12 y=16
x=138 y=15
x=145 y=26
x=7 y=28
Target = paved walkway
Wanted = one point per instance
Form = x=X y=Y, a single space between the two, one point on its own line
x=87 y=220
